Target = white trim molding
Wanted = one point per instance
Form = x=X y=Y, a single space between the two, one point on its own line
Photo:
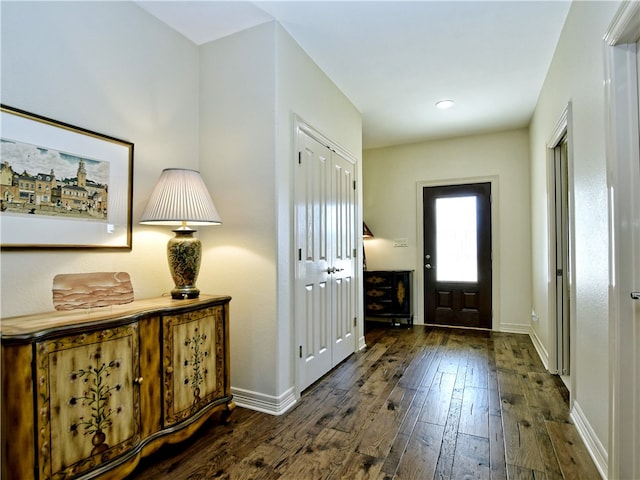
x=515 y=328
x=592 y=443
x=264 y=403
x=537 y=344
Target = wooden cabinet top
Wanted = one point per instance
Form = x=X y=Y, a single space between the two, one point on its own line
x=28 y=328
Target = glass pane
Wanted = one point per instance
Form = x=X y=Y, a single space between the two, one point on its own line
x=456 y=242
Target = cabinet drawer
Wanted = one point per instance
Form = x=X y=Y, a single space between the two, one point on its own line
x=372 y=279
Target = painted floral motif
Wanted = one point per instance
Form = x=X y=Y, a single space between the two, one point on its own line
x=198 y=373
x=96 y=397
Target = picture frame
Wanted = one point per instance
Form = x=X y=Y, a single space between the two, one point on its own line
x=62 y=186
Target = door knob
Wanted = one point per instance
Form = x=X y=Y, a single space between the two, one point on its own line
x=428 y=266
x=331 y=270
x=635 y=295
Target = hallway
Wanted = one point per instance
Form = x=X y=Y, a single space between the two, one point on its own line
x=417 y=403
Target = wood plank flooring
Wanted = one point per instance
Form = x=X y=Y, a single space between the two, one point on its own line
x=418 y=403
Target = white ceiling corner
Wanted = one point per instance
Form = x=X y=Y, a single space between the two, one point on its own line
x=395 y=59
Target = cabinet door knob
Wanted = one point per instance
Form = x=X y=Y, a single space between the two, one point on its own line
x=169 y=369
x=138 y=380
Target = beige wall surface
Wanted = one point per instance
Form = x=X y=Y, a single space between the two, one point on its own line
x=112 y=68
x=238 y=85
x=252 y=85
x=392 y=177
x=576 y=75
x=304 y=93
x=226 y=108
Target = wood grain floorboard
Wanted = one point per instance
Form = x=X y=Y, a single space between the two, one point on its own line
x=417 y=403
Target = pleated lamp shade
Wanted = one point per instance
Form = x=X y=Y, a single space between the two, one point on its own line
x=180 y=197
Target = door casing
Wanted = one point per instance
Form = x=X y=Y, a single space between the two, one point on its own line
x=623 y=180
x=563 y=128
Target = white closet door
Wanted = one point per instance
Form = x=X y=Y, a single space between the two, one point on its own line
x=325 y=235
x=343 y=246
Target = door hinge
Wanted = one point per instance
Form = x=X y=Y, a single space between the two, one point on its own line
x=299 y=158
x=300 y=351
x=354 y=184
x=299 y=254
x=355 y=321
x=355 y=253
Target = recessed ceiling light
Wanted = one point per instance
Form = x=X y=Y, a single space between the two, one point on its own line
x=444 y=104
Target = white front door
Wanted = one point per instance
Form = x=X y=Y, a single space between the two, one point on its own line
x=325 y=265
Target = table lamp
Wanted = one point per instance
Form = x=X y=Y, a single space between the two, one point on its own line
x=181 y=198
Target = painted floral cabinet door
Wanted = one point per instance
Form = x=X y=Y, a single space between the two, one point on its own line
x=194 y=360
x=88 y=400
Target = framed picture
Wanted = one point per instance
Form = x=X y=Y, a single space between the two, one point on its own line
x=62 y=186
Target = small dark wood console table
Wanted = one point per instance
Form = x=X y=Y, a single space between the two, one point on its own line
x=387 y=294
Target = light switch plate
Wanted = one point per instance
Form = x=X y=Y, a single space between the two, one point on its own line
x=400 y=242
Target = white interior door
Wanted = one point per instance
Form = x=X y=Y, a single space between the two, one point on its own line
x=325 y=242
x=623 y=162
x=343 y=282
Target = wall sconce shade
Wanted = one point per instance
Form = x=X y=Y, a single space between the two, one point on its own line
x=181 y=198
x=366 y=233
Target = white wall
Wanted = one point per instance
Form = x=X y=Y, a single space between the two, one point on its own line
x=391 y=176
x=226 y=108
x=238 y=163
x=112 y=68
x=576 y=75
x=304 y=91
x=253 y=83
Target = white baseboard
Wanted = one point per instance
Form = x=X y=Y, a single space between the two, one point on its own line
x=594 y=446
x=542 y=352
x=264 y=403
x=514 y=328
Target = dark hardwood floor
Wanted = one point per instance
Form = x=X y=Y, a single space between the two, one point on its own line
x=418 y=403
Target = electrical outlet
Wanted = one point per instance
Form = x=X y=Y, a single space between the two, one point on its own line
x=400 y=242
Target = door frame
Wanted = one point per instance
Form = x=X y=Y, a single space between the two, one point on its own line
x=563 y=127
x=495 y=262
x=623 y=155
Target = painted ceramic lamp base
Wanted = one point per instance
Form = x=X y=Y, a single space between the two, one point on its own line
x=184 y=252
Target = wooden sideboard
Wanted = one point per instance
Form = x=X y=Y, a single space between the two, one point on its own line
x=387 y=294
x=87 y=393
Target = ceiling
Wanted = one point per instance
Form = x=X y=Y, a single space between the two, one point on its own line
x=395 y=59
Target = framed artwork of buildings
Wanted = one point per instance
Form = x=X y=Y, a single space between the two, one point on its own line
x=62 y=186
